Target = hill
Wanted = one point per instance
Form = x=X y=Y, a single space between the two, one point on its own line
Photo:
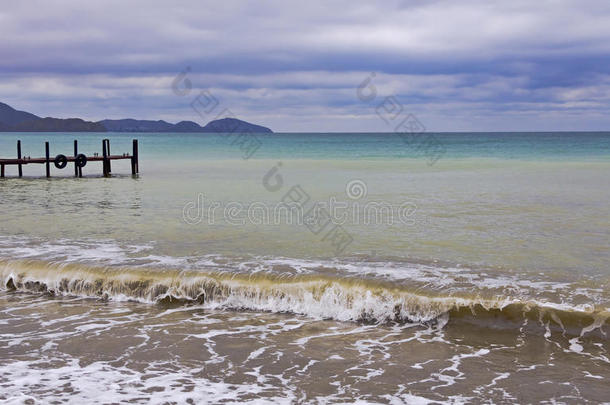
x=49 y=124
x=9 y=116
x=12 y=120
x=234 y=125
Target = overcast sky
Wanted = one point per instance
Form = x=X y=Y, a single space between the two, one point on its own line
x=296 y=66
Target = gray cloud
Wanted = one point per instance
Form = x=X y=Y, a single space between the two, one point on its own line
x=471 y=65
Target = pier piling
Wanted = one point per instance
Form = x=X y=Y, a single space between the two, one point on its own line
x=108 y=151
x=134 y=158
x=105 y=158
x=75 y=155
x=47 y=160
x=19 y=157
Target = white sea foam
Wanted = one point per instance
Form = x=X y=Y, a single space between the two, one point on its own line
x=448 y=278
x=24 y=380
x=332 y=289
x=341 y=299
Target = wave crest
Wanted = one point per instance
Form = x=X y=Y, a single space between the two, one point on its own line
x=342 y=299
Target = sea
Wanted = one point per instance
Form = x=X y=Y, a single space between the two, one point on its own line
x=308 y=268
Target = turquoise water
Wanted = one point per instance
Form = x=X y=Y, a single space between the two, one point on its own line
x=526 y=201
x=541 y=145
x=447 y=261
x=529 y=201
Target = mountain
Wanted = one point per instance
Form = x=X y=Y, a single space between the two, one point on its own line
x=187 y=126
x=221 y=125
x=9 y=116
x=234 y=125
x=58 y=125
x=131 y=125
x=20 y=121
x=12 y=120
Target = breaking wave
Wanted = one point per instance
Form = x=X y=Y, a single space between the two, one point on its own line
x=318 y=296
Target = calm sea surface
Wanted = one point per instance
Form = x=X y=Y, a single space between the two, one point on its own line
x=327 y=268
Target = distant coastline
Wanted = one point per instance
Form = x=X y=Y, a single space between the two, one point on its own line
x=12 y=120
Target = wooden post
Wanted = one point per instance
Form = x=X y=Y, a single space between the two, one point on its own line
x=75 y=154
x=1 y=170
x=48 y=161
x=108 y=151
x=134 y=158
x=105 y=159
x=19 y=157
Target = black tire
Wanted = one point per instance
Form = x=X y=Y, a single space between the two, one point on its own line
x=60 y=161
x=81 y=160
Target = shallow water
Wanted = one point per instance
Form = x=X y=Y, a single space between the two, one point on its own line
x=480 y=276
x=91 y=351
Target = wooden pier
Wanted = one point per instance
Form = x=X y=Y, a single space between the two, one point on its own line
x=80 y=160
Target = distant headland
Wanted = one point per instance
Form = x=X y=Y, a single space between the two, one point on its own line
x=12 y=120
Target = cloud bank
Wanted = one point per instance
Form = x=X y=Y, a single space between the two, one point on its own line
x=469 y=65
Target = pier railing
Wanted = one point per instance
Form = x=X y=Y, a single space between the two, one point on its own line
x=80 y=160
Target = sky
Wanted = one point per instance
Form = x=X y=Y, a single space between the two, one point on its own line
x=314 y=66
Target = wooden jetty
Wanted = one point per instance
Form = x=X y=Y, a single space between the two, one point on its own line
x=80 y=160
